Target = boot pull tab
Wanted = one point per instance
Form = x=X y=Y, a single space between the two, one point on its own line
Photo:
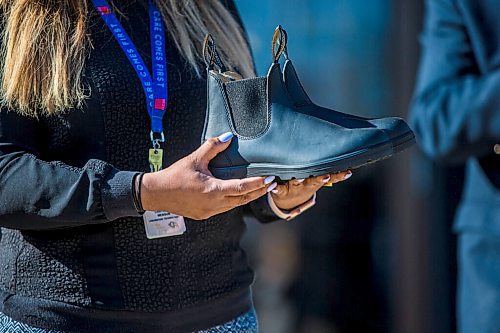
x=211 y=55
x=280 y=39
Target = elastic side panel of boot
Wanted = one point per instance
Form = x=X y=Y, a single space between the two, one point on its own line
x=248 y=103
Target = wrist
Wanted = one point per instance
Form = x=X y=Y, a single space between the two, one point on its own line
x=283 y=205
x=286 y=204
x=146 y=191
x=291 y=213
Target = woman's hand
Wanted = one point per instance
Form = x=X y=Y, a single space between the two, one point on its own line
x=297 y=191
x=187 y=187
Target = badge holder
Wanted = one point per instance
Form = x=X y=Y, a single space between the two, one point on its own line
x=157 y=224
x=161 y=224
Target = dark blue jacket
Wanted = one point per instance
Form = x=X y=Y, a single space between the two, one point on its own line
x=456 y=110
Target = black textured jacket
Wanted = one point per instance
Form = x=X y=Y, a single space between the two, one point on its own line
x=74 y=256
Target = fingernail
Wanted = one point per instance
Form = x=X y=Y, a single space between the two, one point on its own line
x=300 y=180
x=269 y=179
x=275 y=191
x=225 y=137
x=272 y=187
x=328 y=185
x=348 y=175
x=326 y=179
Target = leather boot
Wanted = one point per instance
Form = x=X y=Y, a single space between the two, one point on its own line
x=397 y=130
x=271 y=137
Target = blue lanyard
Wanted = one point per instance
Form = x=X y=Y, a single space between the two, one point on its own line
x=156 y=87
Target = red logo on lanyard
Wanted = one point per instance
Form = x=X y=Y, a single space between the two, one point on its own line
x=160 y=103
x=104 y=10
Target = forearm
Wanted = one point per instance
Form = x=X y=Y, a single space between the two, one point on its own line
x=458 y=118
x=455 y=112
x=36 y=194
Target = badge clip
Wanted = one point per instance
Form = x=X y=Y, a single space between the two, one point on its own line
x=156 y=159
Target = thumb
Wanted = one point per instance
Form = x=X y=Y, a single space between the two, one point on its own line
x=214 y=146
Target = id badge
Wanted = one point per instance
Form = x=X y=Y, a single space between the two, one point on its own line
x=163 y=224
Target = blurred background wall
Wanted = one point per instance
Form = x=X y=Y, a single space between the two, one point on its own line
x=377 y=253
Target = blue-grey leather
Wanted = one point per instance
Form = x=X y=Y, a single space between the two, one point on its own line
x=456 y=115
x=393 y=126
x=290 y=137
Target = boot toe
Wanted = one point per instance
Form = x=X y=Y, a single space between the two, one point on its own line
x=393 y=126
x=398 y=131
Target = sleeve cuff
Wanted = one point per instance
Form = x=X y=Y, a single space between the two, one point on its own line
x=262 y=211
x=117 y=195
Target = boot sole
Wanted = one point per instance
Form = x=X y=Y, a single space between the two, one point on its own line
x=403 y=142
x=344 y=162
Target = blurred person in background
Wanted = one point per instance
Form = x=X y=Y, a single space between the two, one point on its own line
x=456 y=114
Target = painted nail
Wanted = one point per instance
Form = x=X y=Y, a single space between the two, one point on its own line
x=269 y=179
x=272 y=187
x=225 y=137
x=326 y=179
x=328 y=185
x=300 y=180
x=348 y=175
x=275 y=191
